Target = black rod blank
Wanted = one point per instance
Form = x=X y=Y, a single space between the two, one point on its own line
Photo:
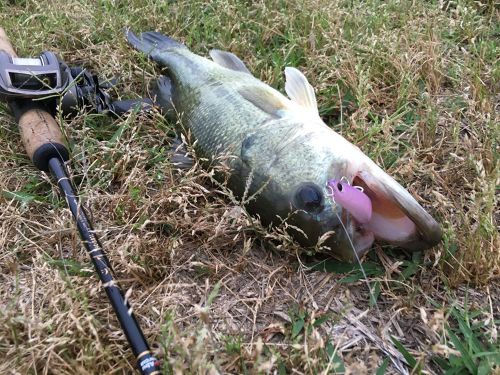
x=148 y=365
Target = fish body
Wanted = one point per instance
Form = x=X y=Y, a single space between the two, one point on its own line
x=281 y=153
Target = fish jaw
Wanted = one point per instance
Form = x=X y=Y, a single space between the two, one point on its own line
x=397 y=218
x=333 y=231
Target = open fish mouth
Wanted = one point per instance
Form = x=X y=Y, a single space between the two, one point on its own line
x=394 y=216
x=389 y=221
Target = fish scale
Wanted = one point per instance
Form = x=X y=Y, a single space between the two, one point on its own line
x=219 y=125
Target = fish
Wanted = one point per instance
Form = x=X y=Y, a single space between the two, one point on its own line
x=281 y=153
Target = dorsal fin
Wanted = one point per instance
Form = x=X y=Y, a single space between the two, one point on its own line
x=228 y=60
x=299 y=89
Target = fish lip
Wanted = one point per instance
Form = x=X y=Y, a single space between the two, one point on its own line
x=425 y=240
x=359 y=238
x=433 y=234
x=350 y=241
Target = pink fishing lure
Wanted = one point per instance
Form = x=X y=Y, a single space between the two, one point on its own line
x=352 y=198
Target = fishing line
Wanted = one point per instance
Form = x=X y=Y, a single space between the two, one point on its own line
x=372 y=295
x=395 y=360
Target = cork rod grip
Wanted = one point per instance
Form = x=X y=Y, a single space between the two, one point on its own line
x=41 y=136
x=40 y=133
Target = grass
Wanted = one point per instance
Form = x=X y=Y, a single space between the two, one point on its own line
x=413 y=84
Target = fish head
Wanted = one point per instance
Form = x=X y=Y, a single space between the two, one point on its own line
x=289 y=176
x=348 y=221
x=366 y=202
x=334 y=197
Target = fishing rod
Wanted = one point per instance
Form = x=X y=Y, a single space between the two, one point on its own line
x=21 y=81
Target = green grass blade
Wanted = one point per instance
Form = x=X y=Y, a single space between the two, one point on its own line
x=465 y=355
x=382 y=367
x=412 y=362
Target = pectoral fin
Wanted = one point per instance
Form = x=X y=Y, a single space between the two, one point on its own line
x=265 y=99
x=179 y=156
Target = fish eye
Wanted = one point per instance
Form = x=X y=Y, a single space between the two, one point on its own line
x=309 y=198
x=339 y=186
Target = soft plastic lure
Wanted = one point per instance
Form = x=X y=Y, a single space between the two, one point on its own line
x=352 y=198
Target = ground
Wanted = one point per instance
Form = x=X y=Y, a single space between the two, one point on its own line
x=414 y=84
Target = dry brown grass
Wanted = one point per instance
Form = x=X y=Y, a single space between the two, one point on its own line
x=414 y=85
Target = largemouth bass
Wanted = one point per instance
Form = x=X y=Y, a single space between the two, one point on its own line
x=284 y=154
